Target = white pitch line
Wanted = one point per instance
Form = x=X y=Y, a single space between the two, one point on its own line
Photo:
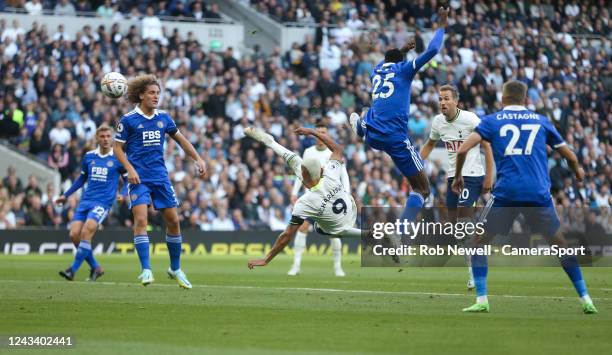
x=300 y=289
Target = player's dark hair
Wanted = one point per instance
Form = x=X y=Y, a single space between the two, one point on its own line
x=514 y=92
x=320 y=124
x=138 y=85
x=452 y=89
x=394 y=56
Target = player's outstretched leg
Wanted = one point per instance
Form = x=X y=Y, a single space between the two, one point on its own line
x=572 y=269
x=291 y=159
x=479 y=270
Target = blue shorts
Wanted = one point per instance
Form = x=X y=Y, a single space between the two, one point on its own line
x=90 y=210
x=541 y=217
x=160 y=193
x=400 y=149
x=469 y=195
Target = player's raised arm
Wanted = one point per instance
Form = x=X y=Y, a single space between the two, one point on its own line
x=472 y=140
x=283 y=240
x=436 y=42
x=336 y=149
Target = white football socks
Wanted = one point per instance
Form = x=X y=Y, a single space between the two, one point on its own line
x=292 y=159
x=299 y=245
x=336 y=246
x=482 y=299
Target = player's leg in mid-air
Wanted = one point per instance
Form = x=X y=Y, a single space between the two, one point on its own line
x=294 y=162
x=81 y=235
x=406 y=159
x=461 y=209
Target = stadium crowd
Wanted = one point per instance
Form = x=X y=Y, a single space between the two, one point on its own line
x=50 y=102
x=197 y=10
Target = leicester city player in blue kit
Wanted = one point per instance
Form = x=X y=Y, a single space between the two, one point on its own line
x=519 y=138
x=139 y=146
x=101 y=171
x=385 y=125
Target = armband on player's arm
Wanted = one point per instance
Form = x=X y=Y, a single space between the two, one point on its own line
x=296 y=220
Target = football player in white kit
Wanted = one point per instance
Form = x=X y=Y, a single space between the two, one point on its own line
x=320 y=152
x=453 y=126
x=326 y=201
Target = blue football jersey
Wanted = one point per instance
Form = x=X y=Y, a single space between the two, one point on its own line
x=391 y=84
x=518 y=138
x=102 y=174
x=144 y=139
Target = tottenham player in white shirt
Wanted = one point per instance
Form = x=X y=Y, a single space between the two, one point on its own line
x=326 y=201
x=320 y=152
x=453 y=126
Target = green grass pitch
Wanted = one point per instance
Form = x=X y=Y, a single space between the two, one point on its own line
x=234 y=310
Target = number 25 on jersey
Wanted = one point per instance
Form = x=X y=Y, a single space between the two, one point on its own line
x=382 y=93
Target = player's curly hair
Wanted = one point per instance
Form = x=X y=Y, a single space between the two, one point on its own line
x=138 y=85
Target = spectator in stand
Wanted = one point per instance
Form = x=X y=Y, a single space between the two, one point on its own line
x=213 y=12
x=59 y=159
x=85 y=128
x=64 y=8
x=60 y=135
x=152 y=26
x=34 y=7
x=106 y=9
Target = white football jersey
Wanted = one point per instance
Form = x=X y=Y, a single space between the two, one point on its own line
x=328 y=203
x=323 y=156
x=453 y=134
